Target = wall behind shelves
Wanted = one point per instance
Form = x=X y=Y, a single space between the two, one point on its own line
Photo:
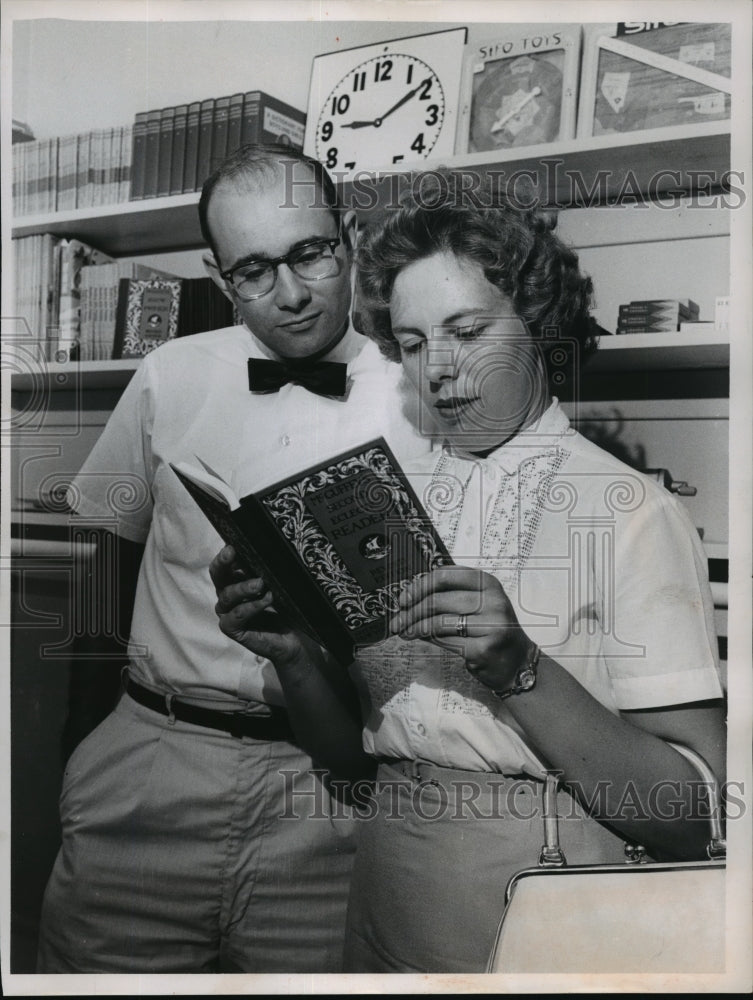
x=132 y=66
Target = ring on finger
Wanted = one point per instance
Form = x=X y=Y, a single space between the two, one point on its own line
x=461 y=627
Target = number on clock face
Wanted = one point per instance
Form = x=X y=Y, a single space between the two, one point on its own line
x=386 y=110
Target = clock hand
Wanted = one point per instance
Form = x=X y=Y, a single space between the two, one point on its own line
x=500 y=123
x=358 y=124
x=400 y=103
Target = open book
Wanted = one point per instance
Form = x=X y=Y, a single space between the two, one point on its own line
x=335 y=543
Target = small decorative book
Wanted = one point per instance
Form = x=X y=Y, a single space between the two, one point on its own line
x=147 y=315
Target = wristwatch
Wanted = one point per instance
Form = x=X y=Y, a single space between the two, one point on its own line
x=525 y=678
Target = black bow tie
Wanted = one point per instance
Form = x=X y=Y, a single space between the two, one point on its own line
x=327 y=378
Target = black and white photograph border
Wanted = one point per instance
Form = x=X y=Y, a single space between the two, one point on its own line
x=73 y=76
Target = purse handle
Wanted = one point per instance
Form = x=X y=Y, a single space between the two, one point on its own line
x=552 y=855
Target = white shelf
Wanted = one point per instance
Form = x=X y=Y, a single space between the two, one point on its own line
x=661 y=351
x=570 y=173
x=75 y=376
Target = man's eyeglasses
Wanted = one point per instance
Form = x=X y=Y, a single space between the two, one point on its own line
x=311 y=262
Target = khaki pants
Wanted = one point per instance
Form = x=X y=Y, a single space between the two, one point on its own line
x=182 y=853
x=434 y=859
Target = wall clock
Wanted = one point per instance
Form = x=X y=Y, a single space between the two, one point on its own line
x=521 y=89
x=386 y=104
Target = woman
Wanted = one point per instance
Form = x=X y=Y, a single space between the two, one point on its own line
x=574 y=633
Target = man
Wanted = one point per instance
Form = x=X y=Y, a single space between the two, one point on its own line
x=174 y=855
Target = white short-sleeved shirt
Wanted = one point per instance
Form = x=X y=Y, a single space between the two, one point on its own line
x=605 y=572
x=188 y=399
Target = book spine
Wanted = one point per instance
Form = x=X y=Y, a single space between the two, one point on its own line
x=124 y=167
x=192 y=146
x=166 y=134
x=26 y=180
x=54 y=174
x=85 y=314
x=113 y=166
x=55 y=289
x=120 y=318
x=654 y=311
x=35 y=178
x=83 y=152
x=50 y=175
x=66 y=176
x=648 y=328
x=234 y=121
x=45 y=287
x=204 y=153
x=43 y=175
x=151 y=157
x=281 y=122
x=95 y=169
x=250 y=118
x=632 y=320
x=138 y=156
x=105 y=167
x=32 y=185
x=658 y=307
x=39 y=177
x=687 y=304
x=17 y=154
x=219 y=132
x=178 y=158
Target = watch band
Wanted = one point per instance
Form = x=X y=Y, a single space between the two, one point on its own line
x=525 y=678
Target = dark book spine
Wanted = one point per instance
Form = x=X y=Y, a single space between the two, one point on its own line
x=166 y=132
x=179 y=149
x=202 y=307
x=192 y=146
x=151 y=160
x=234 y=122
x=667 y=327
x=280 y=122
x=250 y=117
x=204 y=154
x=120 y=318
x=220 y=132
x=671 y=310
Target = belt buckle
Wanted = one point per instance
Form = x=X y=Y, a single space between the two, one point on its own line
x=416 y=776
x=235 y=724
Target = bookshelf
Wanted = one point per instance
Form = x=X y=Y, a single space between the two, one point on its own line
x=661 y=351
x=653 y=164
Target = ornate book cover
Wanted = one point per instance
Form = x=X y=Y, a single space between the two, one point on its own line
x=147 y=315
x=336 y=543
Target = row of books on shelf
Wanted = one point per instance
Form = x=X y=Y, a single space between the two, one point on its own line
x=165 y=151
x=656 y=315
x=176 y=148
x=72 y=171
x=75 y=298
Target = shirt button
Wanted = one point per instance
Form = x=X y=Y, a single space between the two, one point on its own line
x=421 y=729
x=285 y=440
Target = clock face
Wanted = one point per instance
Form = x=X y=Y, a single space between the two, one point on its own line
x=518 y=102
x=385 y=110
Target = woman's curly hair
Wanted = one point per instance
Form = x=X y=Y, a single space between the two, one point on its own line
x=515 y=246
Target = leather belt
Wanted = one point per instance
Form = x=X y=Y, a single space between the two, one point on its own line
x=258 y=727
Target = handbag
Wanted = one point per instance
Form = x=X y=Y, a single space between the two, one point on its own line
x=637 y=917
